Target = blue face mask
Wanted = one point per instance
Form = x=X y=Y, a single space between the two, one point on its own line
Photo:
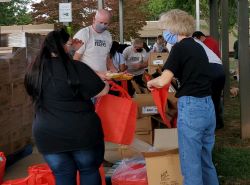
x=100 y=27
x=170 y=37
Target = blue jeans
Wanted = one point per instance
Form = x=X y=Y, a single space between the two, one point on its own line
x=196 y=125
x=65 y=165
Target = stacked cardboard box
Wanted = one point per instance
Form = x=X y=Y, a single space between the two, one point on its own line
x=162 y=158
x=156 y=61
x=16 y=110
x=146 y=108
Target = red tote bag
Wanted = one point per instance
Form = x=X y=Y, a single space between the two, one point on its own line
x=41 y=174
x=23 y=181
x=2 y=166
x=160 y=97
x=118 y=116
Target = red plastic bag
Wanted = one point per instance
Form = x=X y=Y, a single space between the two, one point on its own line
x=118 y=116
x=41 y=174
x=130 y=172
x=23 y=181
x=2 y=166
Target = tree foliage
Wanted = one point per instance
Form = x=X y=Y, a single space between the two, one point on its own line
x=83 y=11
x=14 y=12
x=156 y=7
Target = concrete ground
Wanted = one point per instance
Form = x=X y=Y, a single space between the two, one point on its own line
x=19 y=169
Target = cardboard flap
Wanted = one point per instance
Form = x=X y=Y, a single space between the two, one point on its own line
x=166 y=138
x=160 y=153
x=141 y=146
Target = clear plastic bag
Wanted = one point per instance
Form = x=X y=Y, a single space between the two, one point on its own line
x=130 y=172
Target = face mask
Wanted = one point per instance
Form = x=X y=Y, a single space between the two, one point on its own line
x=100 y=27
x=170 y=37
x=139 y=50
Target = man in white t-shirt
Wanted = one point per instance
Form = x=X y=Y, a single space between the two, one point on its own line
x=97 y=42
x=136 y=59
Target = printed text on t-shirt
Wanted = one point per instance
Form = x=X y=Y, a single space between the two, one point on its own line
x=100 y=43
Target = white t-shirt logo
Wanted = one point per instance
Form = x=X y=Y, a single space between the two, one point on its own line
x=100 y=43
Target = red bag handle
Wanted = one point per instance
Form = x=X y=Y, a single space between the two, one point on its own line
x=116 y=87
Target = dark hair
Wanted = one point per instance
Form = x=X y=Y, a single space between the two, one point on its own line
x=114 y=48
x=53 y=43
x=198 y=34
x=145 y=46
x=122 y=47
x=159 y=37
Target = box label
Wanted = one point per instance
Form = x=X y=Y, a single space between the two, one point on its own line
x=158 y=62
x=149 y=110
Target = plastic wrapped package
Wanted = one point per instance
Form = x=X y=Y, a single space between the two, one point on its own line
x=130 y=172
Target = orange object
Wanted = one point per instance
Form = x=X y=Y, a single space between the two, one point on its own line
x=2 y=166
x=22 y=181
x=118 y=116
x=124 y=84
x=41 y=174
x=160 y=97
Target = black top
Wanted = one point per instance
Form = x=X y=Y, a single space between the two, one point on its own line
x=65 y=120
x=189 y=63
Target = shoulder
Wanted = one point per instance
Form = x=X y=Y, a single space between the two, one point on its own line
x=81 y=33
x=107 y=35
x=127 y=49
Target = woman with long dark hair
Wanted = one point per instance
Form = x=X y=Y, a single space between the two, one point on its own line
x=66 y=129
x=117 y=58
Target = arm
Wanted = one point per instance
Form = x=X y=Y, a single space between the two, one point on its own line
x=110 y=65
x=160 y=81
x=122 y=67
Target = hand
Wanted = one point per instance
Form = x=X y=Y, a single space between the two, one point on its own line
x=76 y=44
x=103 y=75
x=150 y=85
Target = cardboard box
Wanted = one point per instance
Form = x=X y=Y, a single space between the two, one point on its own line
x=137 y=148
x=152 y=69
x=172 y=100
x=146 y=105
x=163 y=166
x=146 y=136
x=144 y=124
x=156 y=59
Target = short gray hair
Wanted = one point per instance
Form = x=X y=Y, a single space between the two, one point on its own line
x=177 y=22
x=137 y=41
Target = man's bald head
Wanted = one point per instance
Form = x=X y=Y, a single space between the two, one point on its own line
x=103 y=14
x=101 y=20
